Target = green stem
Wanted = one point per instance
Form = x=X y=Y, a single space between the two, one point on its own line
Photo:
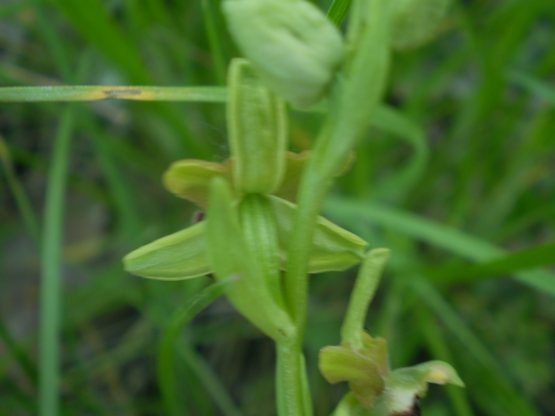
x=51 y=253
x=292 y=381
x=311 y=193
x=361 y=296
x=291 y=391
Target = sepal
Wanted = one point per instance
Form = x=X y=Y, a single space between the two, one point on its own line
x=178 y=256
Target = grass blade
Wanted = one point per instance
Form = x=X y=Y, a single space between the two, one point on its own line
x=210 y=16
x=338 y=11
x=440 y=350
x=51 y=256
x=392 y=121
x=18 y=354
x=165 y=360
x=533 y=86
x=212 y=384
x=438 y=235
x=107 y=92
x=511 y=401
x=530 y=258
x=21 y=198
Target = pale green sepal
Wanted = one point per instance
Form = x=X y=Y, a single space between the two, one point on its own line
x=178 y=256
x=414 y=22
x=229 y=256
x=292 y=44
x=333 y=248
x=190 y=179
x=257 y=128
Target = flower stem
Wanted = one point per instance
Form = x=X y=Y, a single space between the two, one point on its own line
x=361 y=296
x=293 y=396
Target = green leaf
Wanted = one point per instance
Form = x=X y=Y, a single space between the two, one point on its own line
x=257 y=128
x=178 y=256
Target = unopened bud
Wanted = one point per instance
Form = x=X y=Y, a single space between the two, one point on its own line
x=292 y=44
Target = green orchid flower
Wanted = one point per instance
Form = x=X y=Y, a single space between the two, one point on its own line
x=249 y=201
x=182 y=255
x=375 y=390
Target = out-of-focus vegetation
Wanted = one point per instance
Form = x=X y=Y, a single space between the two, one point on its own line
x=463 y=194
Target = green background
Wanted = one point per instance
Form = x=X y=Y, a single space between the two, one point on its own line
x=461 y=188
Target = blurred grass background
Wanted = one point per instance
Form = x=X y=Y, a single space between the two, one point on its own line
x=458 y=181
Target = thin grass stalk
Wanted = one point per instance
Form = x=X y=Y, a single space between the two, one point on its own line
x=51 y=270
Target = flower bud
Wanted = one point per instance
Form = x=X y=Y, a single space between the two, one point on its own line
x=292 y=44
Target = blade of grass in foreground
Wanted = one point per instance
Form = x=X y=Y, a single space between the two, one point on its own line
x=21 y=198
x=108 y=92
x=530 y=258
x=338 y=11
x=439 y=235
x=209 y=15
x=533 y=85
x=51 y=255
x=511 y=401
x=165 y=360
x=440 y=350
